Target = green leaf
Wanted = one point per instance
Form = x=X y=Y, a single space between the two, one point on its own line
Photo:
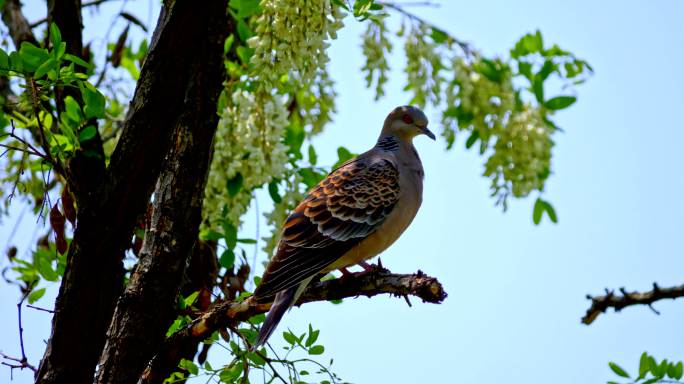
x=4 y=60
x=16 y=63
x=55 y=35
x=530 y=43
x=245 y=8
x=227 y=259
x=94 y=101
x=438 y=36
x=44 y=68
x=310 y=177
x=294 y=137
x=472 y=139
x=313 y=158
x=560 y=102
x=188 y=301
x=550 y=212
x=654 y=367
x=538 y=211
x=618 y=371
x=189 y=366
x=209 y=234
x=32 y=56
x=547 y=69
x=255 y=358
x=678 y=370
x=44 y=267
x=36 y=295
x=77 y=60
x=491 y=69
x=243 y=30
x=316 y=350
x=643 y=365
x=273 y=191
x=257 y=319
x=313 y=336
x=289 y=337
x=73 y=110
x=247 y=241
x=235 y=184
x=87 y=133
x=538 y=89
x=343 y=154
x=230 y=234
x=361 y=7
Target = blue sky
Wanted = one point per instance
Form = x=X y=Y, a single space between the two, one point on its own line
x=516 y=291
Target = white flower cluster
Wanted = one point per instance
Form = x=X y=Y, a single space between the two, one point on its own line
x=376 y=47
x=423 y=66
x=482 y=104
x=249 y=143
x=291 y=38
x=521 y=158
x=275 y=219
x=521 y=161
x=315 y=103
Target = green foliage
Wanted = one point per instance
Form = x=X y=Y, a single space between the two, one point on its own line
x=651 y=371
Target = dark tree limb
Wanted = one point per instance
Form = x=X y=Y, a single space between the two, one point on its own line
x=93 y=279
x=374 y=282
x=148 y=305
x=599 y=304
x=19 y=27
x=85 y=170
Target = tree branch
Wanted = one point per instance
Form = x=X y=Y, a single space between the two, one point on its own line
x=19 y=26
x=374 y=282
x=599 y=304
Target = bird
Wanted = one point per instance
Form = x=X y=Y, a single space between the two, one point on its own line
x=352 y=215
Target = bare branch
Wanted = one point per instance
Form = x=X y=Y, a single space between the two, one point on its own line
x=23 y=361
x=370 y=283
x=19 y=26
x=599 y=304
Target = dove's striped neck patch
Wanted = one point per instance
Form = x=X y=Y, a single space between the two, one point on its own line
x=388 y=143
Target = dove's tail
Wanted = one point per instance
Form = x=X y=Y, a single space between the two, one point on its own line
x=282 y=302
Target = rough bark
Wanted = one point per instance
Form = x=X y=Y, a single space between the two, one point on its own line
x=147 y=306
x=19 y=26
x=371 y=283
x=93 y=279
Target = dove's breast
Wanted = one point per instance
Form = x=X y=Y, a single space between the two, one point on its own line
x=410 y=198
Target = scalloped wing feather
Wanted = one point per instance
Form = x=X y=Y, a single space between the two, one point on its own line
x=342 y=210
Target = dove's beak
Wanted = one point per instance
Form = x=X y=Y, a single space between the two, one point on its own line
x=428 y=133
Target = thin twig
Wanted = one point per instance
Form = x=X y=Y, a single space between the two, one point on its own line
x=23 y=361
x=40 y=309
x=465 y=47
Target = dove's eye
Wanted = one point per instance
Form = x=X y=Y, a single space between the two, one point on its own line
x=407 y=119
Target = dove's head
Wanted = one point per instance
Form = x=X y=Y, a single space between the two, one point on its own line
x=406 y=122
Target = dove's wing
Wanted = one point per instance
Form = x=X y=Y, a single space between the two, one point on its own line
x=343 y=209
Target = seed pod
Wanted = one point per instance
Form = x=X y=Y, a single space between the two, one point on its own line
x=68 y=206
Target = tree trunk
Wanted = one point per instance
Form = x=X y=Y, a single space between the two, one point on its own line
x=148 y=305
x=93 y=279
